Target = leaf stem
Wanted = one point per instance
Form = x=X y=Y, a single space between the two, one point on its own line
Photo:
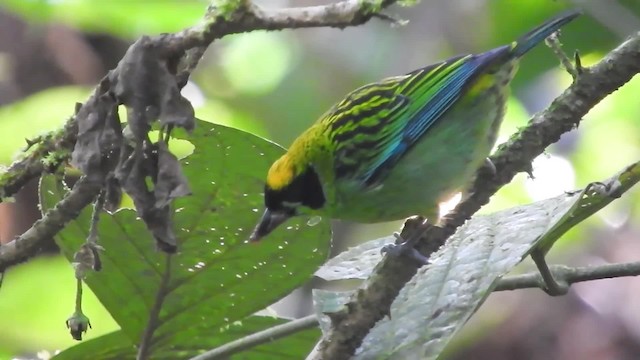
x=144 y=348
x=78 y=295
x=550 y=285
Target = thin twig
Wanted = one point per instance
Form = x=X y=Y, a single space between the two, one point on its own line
x=264 y=336
x=144 y=348
x=78 y=295
x=553 y=42
x=570 y=275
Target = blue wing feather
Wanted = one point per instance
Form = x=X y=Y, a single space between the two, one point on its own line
x=378 y=123
x=445 y=84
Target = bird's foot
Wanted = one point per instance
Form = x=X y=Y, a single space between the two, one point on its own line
x=405 y=248
x=612 y=189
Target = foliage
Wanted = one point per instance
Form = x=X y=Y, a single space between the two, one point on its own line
x=217 y=278
x=444 y=294
x=211 y=304
x=117 y=345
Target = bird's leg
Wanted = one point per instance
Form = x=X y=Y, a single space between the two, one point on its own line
x=551 y=286
x=405 y=243
x=405 y=248
x=612 y=188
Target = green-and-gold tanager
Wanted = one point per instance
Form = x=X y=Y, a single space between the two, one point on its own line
x=398 y=147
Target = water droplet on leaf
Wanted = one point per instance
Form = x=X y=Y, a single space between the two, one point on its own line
x=315 y=220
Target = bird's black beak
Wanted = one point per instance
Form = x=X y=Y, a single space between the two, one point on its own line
x=269 y=221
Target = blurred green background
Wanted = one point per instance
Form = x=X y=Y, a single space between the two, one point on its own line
x=276 y=84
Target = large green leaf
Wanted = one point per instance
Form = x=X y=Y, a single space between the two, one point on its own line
x=216 y=278
x=117 y=345
x=444 y=294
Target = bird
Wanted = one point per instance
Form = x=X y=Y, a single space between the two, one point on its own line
x=398 y=147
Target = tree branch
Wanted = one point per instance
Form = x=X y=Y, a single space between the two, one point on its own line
x=182 y=50
x=373 y=300
x=33 y=164
x=27 y=244
x=569 y=275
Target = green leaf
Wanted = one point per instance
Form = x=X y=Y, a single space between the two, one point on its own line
x=216 y=278
x=117 y=345
x=592 y=199
x=443 y=295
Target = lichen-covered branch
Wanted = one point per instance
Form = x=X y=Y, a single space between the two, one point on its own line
x=373 y=300
x=45 y=155
x=180 y=52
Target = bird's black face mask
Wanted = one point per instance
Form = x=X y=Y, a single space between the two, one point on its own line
x=304 y=190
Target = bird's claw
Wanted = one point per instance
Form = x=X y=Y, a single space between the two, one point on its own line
x=612 y=189
x=404 y=248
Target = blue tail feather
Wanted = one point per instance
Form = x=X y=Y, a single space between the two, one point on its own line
x=537 y=35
